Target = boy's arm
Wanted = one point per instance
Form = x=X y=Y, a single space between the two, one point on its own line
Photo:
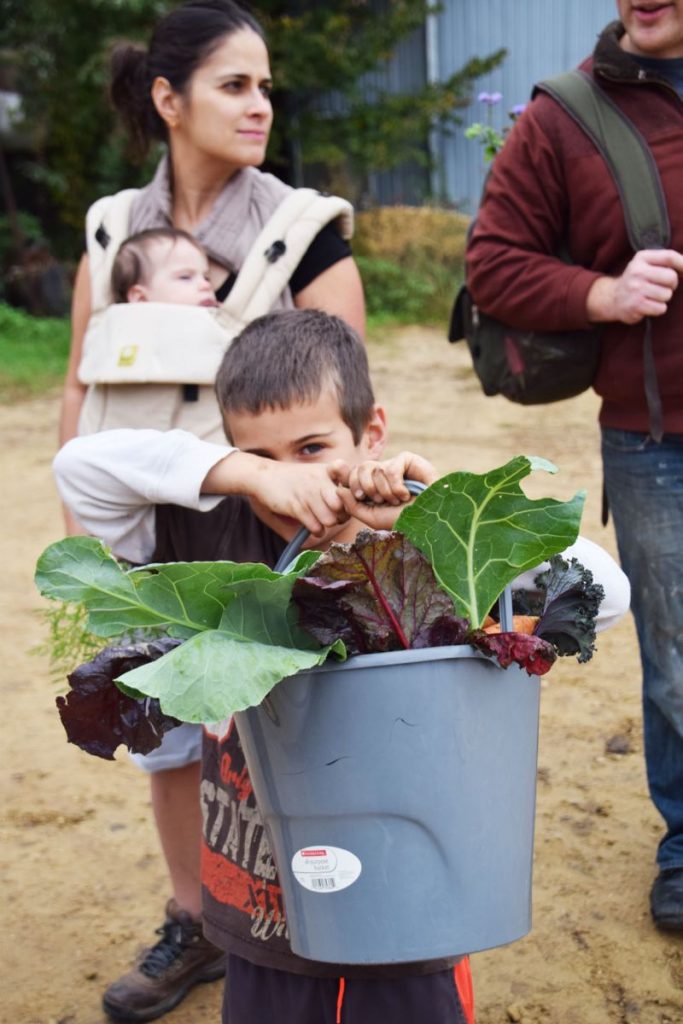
x=113 y=480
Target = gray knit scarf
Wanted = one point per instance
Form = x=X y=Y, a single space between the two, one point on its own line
x=238 y=215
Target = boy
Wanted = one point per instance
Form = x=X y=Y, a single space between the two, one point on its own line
x=162 y=265
x=298 y=405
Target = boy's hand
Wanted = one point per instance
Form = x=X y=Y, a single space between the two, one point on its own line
x=375 y=491
x=305 y=492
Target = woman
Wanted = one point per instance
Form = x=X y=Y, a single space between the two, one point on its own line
x=203 y=87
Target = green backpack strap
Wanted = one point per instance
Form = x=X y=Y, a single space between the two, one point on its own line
x=635 y=173
x=625 y=151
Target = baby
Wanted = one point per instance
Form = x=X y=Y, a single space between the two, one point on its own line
x=162 y=265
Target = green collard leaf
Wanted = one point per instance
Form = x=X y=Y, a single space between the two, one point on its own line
x=179 y=598
x=258 y=643
x=194 y=595
x=481 y=531
x=262 y=611
x=81 y=570
x=212 y=675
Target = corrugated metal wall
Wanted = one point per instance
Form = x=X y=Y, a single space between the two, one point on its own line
x=406 y=72
x=543 y=37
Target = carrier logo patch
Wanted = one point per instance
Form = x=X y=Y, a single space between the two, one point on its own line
x=128 y=354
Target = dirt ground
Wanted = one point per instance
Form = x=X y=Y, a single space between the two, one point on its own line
x=82 y=882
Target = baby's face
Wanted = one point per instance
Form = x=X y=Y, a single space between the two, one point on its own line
x=180 y=274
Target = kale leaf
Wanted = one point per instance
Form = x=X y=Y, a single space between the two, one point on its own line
x=572 y=601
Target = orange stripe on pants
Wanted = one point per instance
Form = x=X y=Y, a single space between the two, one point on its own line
x=340 y=999
x=463 y=983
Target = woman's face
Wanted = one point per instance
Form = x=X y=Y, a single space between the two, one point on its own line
x=225 y=113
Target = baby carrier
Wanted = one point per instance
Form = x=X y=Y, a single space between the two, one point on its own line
x=153 y=364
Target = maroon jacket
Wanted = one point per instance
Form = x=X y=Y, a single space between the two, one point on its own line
x=550 y=183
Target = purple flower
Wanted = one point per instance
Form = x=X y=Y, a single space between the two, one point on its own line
x=518 y=110
x=490 y=98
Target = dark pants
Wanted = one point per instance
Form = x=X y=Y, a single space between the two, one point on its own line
x=262 y=995
x=644 y=483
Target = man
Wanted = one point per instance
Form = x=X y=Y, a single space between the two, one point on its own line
x=549 y=183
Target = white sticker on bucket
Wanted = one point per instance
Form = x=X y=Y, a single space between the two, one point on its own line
x=325 y=868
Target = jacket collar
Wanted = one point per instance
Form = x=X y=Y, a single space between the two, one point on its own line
x=614 y=64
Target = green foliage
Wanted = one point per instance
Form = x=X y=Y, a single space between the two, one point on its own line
x=490 y=138
x=481 y=531
x=392 y=295
x=33 y=353
x=30 y=228
x=411 y=260
x=60 y=53
x=320 y=53
x=69 y=641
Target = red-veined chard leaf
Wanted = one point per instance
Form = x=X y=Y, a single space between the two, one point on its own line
x=98 y=717
x=481 y=531
x=377 y=594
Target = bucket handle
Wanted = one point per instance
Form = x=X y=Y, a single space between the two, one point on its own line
x=415 y=487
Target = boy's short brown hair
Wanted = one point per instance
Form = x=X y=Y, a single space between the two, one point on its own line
x=283 y=358
x=132 y=264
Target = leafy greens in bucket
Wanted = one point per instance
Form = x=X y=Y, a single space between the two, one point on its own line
x=242 y=633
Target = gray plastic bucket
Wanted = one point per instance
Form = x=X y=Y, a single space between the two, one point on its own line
x=398 y=792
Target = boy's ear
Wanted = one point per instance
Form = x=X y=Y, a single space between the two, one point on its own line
x=137 y=293
x=375 y=433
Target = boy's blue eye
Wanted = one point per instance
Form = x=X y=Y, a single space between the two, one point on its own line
x=311 y=449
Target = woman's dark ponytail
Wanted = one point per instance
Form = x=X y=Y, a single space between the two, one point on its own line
x=181 y=41
x=129 y=91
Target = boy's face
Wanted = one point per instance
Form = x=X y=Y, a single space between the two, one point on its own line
x=179 y=274
x=306 y=432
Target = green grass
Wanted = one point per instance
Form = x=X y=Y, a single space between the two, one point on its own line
x=33 y=353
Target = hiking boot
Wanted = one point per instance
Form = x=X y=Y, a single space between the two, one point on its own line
x=666 y=900
x=166 y=972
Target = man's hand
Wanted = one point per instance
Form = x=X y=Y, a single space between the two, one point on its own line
x=375 y=491
x=306 y=492
x=644 y=289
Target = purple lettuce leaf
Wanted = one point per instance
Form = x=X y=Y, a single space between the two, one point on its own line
x=531 y=652
x=378 y=594
x=98 y=717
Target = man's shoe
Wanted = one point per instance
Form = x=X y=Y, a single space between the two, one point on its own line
x=166 y=972
x=666 y=900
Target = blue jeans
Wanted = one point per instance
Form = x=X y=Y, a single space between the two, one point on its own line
x=644 y=482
